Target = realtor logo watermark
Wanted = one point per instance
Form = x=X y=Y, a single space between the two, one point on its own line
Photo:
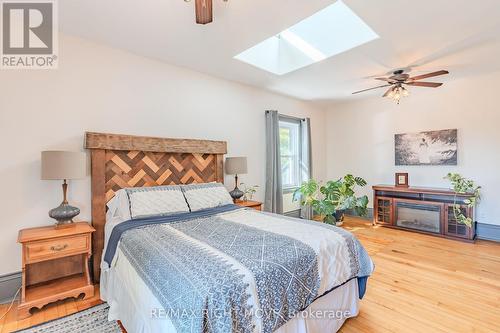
x=29 y=34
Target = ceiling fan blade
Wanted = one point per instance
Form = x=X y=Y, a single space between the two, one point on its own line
x=203 y=11
x=387 y=92
x=424 y=84
x=424 y=76
x=360 y=91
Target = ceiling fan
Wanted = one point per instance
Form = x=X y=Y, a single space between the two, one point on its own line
x=203 y=10
x=397 y=81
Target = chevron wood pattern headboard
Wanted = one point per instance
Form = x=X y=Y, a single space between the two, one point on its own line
x=121 y=161
x=132 y=168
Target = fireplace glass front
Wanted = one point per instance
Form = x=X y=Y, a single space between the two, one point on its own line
x=419 y=216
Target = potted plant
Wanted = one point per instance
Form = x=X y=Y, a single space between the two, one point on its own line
x=331 y=200
x=248 y=191
x=464 y=186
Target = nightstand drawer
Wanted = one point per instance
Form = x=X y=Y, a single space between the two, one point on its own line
x=57 y=247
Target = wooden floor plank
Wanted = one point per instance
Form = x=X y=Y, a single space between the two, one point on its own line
x=421 y=284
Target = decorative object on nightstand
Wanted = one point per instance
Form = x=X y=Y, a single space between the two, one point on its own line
x=402 y=179
x=55 y=265
x=236 y=166
x=63 y=165
x=250 y=204
x=248 y=191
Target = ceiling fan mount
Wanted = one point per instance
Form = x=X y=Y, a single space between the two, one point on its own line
x=399 y=79
x=399 y=75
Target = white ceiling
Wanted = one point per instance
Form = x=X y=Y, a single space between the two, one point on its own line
x=460 y=36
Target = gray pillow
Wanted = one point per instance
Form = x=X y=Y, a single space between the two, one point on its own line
x=208 y=195
x=157 y=200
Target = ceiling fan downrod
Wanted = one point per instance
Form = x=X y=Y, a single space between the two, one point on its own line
x=203 y=11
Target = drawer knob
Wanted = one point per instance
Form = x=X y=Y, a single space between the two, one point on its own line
x=59 y=247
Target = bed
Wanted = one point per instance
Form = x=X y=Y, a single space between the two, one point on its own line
x=173 y=254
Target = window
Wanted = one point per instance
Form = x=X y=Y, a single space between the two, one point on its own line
x=332 y=30
x=290 y=150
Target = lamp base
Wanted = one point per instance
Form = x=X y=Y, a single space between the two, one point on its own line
x=236 y=193
x=64 y=214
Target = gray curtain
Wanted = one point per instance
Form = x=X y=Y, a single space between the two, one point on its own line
x=306 y=162
x=274 y=191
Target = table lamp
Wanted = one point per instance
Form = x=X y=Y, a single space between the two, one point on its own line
x=63 y=165
x=236 y=166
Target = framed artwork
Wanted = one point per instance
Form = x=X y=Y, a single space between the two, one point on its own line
x=402 y=179
x=426 y=148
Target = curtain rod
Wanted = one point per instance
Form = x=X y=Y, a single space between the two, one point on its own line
x=287 y=116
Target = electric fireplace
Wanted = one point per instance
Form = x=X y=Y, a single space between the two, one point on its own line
x=426 y=210
x=419 y=216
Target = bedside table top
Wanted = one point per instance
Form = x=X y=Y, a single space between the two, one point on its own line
x=40 y=233
x=248 y=203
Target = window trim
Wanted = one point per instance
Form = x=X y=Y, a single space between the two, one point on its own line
x=296 y=121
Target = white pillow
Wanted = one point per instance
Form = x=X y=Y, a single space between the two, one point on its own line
x=158 y=200
x=209 y=195
x=118 y=207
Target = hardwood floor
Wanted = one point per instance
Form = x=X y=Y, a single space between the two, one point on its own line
x=420 y=284
x=427 y=284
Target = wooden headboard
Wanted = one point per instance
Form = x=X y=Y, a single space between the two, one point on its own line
x=121 y=161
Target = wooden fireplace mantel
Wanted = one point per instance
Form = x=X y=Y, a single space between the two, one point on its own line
x=423 y=190
x=422 y=209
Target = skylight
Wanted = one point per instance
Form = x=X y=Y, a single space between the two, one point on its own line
x=330 y=31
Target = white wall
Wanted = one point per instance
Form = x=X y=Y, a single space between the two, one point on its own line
x=360 y=136
x=97 y=88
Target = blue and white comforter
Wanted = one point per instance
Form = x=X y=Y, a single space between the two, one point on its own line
x=229 y=269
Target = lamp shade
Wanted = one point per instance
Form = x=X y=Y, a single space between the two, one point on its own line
x=236 y=165
x=63 y=165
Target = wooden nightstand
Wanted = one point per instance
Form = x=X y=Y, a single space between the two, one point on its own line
x=55 y=264
x=250 y=204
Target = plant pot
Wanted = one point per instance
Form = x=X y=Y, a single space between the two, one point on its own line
x=339 y=217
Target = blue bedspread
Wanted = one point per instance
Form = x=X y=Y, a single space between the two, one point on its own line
x=212 y=274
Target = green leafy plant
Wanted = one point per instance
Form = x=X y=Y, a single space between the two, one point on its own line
x=249 y=191
x=307 y=192
x=462 y=185
x=331 y=200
